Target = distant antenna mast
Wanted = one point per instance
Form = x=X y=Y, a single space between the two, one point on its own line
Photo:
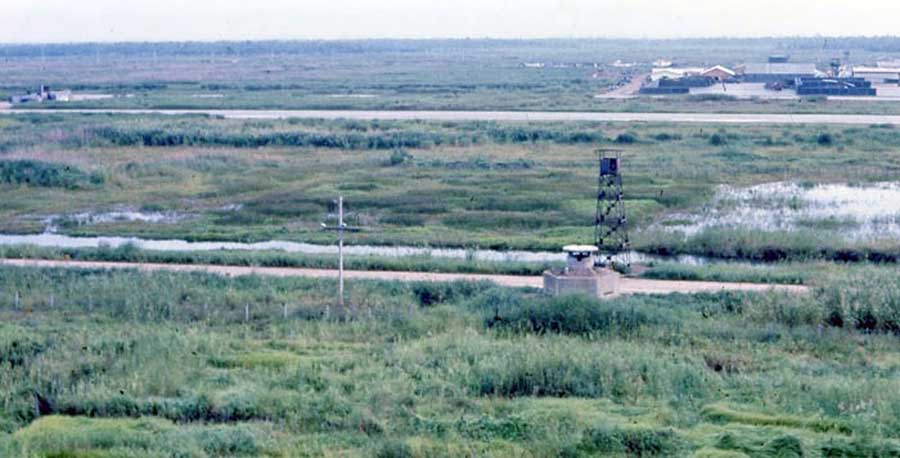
x=610 y=233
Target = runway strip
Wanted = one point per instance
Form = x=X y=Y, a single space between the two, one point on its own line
x=704 y=118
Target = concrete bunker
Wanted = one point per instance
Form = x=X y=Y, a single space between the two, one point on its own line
x=580 y=276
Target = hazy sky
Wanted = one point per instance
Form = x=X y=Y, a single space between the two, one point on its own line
x=154 y=20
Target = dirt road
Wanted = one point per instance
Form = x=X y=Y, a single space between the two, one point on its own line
x=625 y=91
x=705 y=118
x=626 y=285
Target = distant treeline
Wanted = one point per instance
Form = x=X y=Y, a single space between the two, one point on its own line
x=320 y=47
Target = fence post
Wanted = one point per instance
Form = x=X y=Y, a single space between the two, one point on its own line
x=52 y=301
x=246 y=312
x=284 y=311
x=16 y=301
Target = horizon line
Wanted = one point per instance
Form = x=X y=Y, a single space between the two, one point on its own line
x=447 y=38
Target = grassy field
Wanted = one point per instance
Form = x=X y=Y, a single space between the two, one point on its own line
x=408 y=74
x=103 y=364
x=459 y=184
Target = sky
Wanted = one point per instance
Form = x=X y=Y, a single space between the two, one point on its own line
x=34 y=21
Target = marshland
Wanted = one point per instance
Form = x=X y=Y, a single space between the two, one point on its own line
x=98 y=363
x=469 y=185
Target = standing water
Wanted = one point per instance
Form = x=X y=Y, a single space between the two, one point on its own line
x=52 y=240
x=855 y=213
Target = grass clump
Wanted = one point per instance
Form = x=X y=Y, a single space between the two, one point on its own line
x=860 y=447
x=46 y=174
x=868 y=302
x=567 y=315
x=725 y=414
x=637 y=442
x=794 y=274
x=89 y=437
x=556 y=366
x=781 y=446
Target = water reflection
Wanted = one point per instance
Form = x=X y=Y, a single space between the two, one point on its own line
x=52 y=240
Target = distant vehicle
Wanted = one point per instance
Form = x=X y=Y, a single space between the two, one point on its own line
x=43 y=93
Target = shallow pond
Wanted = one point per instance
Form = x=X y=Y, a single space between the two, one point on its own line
x=858 y=213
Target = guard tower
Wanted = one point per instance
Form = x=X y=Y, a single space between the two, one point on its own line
x=580 y=276
x=610 y=235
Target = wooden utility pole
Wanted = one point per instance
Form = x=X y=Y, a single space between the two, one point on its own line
x=340 y=228
x=341 y=251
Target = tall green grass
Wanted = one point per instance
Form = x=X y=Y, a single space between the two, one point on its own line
x=123 y=363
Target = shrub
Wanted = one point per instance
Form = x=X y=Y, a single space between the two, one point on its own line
x=433 y=293
x=667 y=137
x=398 y=157
x=825 y=139
x=717 y=140
x=394 y=448
x=227 y=440
x=626 y=138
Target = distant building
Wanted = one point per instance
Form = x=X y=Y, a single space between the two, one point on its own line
x=718 y=73
x=878 y=74
x=619 y=64
x=673 y=73
x=662 y=63
x=779 y=58
x=776 y=72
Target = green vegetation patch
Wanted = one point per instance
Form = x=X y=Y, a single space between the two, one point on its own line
x=724 y=413
x=61 y=436
x=45 y=174
x=123 y=363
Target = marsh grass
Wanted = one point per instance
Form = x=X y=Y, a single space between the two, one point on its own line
x=430 y=370
x=247 y=180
